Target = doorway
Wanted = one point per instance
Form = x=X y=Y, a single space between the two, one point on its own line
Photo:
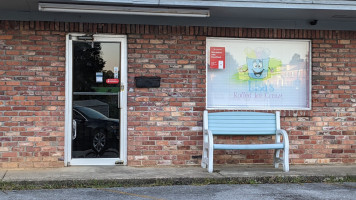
x=96 y=100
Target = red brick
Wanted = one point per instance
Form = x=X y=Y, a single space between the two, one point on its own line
x=9 y=154
x=6 y=37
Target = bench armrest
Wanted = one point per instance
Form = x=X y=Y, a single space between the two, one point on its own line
x=285 y=137
x=210 y=138
x=282 y=132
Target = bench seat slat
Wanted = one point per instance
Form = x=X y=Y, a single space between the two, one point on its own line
x=248 y=146
x=250 y=126
x=242 y=121
x=226 y=117
x=242 y=114
x=242 y=129
x=243 y=133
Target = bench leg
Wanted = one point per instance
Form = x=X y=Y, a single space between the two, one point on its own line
x=276 y=158
x=285 y=150
x=203 y=163
x=210 y=160
x=205 y=150
x=286 y=160
x=277 y=152
x=210 y=152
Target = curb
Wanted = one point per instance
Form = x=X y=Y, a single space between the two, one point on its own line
x=105 y=183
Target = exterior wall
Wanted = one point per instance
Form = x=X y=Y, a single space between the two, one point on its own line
x=165 y=124
x=32 y=62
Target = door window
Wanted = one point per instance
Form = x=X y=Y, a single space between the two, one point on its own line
x=95 y=99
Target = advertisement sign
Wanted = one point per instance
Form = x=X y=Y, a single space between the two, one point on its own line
x=99 y=77
x=112 y=81
x=259 y=74
x=217 y=57
x=116 y=72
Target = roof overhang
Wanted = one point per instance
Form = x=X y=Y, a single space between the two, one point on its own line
x=286 y=14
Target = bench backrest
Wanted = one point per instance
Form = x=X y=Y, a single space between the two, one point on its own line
x=242 y=123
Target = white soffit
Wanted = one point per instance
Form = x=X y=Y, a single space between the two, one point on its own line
x=288 y=4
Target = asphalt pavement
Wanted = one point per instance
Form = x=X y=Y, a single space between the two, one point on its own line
x=316 y=191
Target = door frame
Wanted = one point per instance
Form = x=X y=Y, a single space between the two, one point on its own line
x=122 y=160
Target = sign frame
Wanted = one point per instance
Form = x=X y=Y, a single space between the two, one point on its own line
x=307 y=85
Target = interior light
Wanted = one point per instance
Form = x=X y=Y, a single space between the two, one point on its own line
x=99 y=9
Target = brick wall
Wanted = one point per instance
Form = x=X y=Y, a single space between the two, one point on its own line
x=31 y=96
x=165 y=124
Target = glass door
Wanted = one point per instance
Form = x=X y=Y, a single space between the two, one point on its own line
x=96 y=101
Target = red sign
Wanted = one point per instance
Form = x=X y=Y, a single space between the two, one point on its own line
x=217 y=57
x=112 y=81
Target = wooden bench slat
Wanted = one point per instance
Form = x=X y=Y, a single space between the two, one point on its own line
x=248 y=146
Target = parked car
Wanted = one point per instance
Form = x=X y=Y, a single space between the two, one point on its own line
x=94 y=131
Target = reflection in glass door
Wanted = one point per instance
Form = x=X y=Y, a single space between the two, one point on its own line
x=95 y=99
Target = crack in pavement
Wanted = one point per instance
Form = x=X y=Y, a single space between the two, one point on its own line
x=130 y=194
x=4 y=192
x=2 y=178
x=343 y=185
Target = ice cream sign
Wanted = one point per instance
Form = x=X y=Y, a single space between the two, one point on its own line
x=257 y=68
x=217 y=57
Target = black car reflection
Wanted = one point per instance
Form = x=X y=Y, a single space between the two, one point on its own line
x=93 y=131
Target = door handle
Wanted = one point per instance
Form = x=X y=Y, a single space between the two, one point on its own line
x=74 y=130
x=118 y=99
x=122 y=87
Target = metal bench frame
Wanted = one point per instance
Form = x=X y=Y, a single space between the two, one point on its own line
x=244 y=124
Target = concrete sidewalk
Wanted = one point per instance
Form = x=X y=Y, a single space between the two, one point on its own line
x=86 y=176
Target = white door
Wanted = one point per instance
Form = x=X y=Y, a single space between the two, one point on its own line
x=96 y=100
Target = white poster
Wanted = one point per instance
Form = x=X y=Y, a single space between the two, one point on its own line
x=99 y=77
x=260 y=74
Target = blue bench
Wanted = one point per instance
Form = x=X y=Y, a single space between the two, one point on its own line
x=244 y=124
